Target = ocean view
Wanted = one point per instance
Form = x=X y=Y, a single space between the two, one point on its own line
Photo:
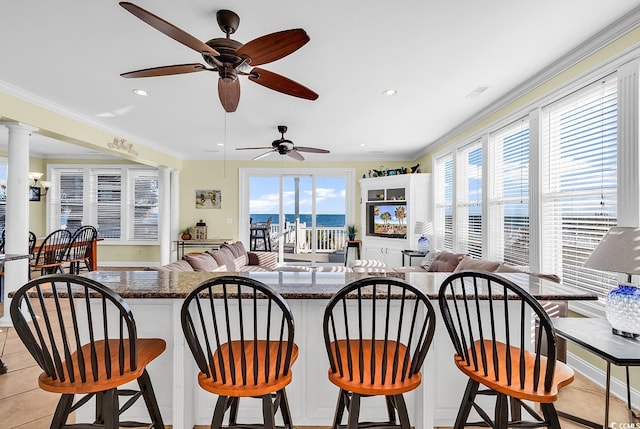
x=333 y=220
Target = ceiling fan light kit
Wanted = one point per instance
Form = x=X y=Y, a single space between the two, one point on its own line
x=229 y=58
x=284 y=147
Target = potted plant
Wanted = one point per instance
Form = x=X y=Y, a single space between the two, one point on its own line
x=186 y=234
x=351 y=231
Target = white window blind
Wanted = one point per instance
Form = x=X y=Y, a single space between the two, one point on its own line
x=3 y=193
x=443 y=202
x=509 y=193
x=144 y=204
x=469 y=199
x=120 y=201
x=579 y=182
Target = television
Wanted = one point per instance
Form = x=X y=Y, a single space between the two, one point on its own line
x=387 y=219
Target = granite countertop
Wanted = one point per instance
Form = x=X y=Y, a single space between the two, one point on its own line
x=303 y=285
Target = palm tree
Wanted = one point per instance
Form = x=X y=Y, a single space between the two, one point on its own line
x=400 y=214
x=386 y=217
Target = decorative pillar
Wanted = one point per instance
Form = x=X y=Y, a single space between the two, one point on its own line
x=164 y=226
x=17 y=220
x=629 y=144
x=174 y=202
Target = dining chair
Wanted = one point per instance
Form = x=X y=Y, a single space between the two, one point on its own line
x=51 y=253
x=490 y=322
x=2 y=241
x=79 y=249
x=241 y=335
x=377 y=332
x=84 y=337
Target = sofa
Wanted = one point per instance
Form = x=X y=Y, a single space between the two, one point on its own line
x=229 y=257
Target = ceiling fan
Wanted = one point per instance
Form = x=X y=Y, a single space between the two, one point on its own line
x=284 y=147
x=229 y=57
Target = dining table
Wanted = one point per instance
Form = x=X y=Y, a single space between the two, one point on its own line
x=93 y=251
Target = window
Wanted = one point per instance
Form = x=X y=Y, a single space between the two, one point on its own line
x=469 y=200
x=508 y=221
x=579 y=181
x=443 y=201
x=121 y=201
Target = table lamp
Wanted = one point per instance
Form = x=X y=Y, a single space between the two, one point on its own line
x=423 y=229
x=619 y=251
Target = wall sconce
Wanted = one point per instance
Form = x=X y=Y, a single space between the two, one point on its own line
x=37 y=190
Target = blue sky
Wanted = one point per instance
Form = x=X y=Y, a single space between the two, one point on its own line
x=264 y=195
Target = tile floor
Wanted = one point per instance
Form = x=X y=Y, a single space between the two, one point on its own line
x=23 y=405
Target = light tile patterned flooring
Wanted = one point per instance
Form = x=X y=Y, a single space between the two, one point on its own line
x=23 y=405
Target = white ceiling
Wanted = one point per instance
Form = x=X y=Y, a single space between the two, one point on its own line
x=70 y=53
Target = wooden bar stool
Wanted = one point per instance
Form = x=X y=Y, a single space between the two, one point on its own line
x=87 y=346
x=489 y=320
x=240 y=332
x=377 y=332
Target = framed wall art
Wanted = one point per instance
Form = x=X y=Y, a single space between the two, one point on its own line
x=208 y=199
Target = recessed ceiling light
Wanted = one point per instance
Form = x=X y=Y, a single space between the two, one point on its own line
x=220 y=144
x=362 y=145
x=141 y=92
x=389 y=92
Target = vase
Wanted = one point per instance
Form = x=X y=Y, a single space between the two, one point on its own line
x=352 y=237
x=623 y=310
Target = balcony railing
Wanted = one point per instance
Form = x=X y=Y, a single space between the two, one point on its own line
x=299 y=239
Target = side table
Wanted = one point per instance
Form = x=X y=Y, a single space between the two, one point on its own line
x=356 y=245
x=594 y=334
x=412 y=254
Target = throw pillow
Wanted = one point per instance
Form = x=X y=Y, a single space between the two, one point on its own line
x=469 y=263
x=201 y=262
x=445 y=262
x=426 y=261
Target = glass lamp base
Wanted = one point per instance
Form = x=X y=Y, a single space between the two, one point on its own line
x=623 y=310
x=423 y=244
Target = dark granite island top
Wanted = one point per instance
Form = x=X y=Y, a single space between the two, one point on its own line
x=304 y=285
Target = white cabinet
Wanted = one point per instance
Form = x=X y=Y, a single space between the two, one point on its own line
x=390 y=207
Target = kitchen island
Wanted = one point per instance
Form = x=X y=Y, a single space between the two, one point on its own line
x=155 y=299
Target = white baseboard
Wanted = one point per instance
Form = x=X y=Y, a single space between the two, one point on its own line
x=598 y=376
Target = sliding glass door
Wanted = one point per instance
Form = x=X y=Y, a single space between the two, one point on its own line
x=304 y=215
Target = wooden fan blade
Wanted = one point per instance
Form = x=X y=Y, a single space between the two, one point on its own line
x=273 y=46
x=311 y=149
x=281 y=84
x=295 y=155
x=229 y=94
x=165 y=70
x=262 y=155
x=254 y=148
x=169 y=29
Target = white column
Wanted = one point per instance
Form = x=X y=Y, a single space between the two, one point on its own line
x=17 y=220
x=175 y=211
x=164 y=226
x=628 y=144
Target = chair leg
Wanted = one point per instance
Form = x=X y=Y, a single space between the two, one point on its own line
x=403 y=415
x=218 y=412
x=340 y=406
x=149 y=396
x=285 y=410
x=501 y=412
x=110 y=409
x=467 y=402
x=391 y=410
x=267 y=412
x=354 y=411
x=516 y=410
x=233 y=411
x=550 y=415
x=62 y=412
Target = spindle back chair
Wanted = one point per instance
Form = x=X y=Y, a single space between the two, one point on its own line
x=84 y=337
x=79 y=249
x=51 y=254
x=241 y=335
x=490 y=322
x=377 y=332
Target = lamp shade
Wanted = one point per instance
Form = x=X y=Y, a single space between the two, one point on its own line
x=423 y=228
x=619 y=251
